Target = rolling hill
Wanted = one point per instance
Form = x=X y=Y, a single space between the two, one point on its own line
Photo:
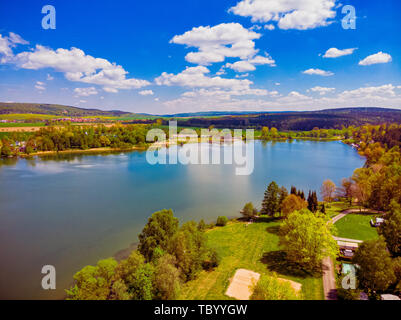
x=55 y=110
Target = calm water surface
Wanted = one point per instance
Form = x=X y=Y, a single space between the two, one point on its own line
x=71 y=211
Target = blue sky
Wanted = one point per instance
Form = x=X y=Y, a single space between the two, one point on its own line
x=180 y=56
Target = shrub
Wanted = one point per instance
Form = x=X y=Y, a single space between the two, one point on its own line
x=221 y=221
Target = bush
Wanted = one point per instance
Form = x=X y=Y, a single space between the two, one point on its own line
x=212 y=261
x=221 y=221
x=348 y=294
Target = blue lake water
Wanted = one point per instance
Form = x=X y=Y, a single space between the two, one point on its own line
x=71 y=211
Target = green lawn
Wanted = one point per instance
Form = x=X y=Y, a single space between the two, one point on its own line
x=254 y=247
x=356 y=226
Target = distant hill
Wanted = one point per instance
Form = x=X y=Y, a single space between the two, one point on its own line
x=55 y=109
x=323 y=119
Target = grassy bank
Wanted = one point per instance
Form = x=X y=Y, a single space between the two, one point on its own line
x=254 y=247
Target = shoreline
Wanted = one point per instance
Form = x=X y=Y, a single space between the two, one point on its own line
x=144 y=148
x=81 y=151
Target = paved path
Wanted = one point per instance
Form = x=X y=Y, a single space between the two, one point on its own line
x=347 y=240
x=329 y=280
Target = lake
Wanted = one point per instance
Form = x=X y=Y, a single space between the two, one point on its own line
x=72 y=210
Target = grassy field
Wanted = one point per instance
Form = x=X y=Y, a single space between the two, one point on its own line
x=254 y=247
x=19 y=124
x=356 y=226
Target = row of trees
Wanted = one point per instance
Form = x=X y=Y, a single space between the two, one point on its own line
x=273 y=133
x=167 y=256
x=378 y=182
x=75 y=137
x=277 y=200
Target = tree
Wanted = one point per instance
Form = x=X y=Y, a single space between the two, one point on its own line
x=328 y=190
x=312 y=201
x=273 y=132
x=375 y=272
x=283 y=193
x=161 y=227
x=249 y=211
x=93 y=282
x=137 y=275
x=166 y=279
x=307 y=239
x=189 y=248
x=345 y=190
x=270 y=204
x=391 y=229
x=265 y=133
x=292 y=203
x=271 y=288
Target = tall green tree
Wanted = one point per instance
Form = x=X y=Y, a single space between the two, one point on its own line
x=249 y=211
x=391 y=229
x=271 y=204
x=93 y=282
x=189 y=248
x=375 y=272
x=312 y=201
x=307 y=238
x=166 y=280
x=161 y=227
x=137 y=275
x=283 y=193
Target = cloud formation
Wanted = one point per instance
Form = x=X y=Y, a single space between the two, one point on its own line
x=215 y=44
x=335 y=53
x=196 y=77
x=379 y=57
x=288 y=14
x=85 y=92
x=318 y=72
x=74 y=63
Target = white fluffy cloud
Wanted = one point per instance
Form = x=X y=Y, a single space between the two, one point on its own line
x=249 y=65
x=74 y=63
x=379 y=57
x=288 y=14
x=335 y=53
x=386 y=90
x=318 y=72
x=321 y=90
x=196 y=77
x=146 y=93
x=6 y=45
x=85 y=92
x=216 y=43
